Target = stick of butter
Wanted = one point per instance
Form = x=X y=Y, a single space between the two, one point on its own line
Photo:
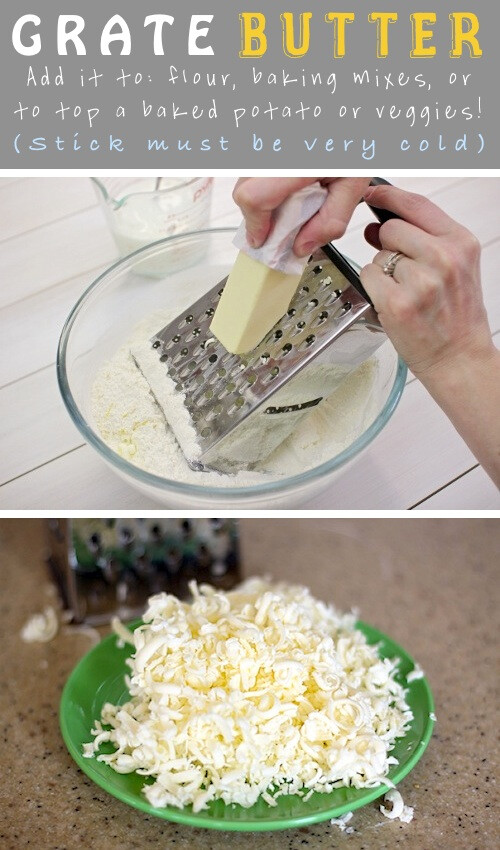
x=255 y=297
x=263 y=280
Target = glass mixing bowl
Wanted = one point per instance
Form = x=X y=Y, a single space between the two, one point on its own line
x=173 y=273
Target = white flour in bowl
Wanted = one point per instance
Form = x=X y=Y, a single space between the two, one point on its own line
x=128 y=419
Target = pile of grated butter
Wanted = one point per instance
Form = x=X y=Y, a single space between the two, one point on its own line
x=262 y=691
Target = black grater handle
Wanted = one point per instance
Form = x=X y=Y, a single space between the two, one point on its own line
x=340 y=261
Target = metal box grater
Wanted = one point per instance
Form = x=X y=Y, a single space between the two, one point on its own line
x=107 y=567
x=238 y=408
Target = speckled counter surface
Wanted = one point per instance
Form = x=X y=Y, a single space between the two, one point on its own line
x=433 y=585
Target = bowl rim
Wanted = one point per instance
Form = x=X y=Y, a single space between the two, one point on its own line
x=278 y=485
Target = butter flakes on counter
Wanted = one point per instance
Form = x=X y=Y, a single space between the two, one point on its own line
x=258 y=692
x=342 y=822
x=398 y=810
x=40 y=628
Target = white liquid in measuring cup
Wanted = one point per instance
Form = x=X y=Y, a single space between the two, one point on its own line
x=144 y=215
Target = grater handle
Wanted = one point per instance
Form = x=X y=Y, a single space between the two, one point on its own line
x=382 y=215
x=341 y=262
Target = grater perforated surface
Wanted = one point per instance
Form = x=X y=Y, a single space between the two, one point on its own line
x=221 y=390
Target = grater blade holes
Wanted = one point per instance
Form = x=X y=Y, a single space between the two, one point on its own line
x=208 y=342
x=212 y=378
x=309 y=340
x=156 y=344
x=185 y=371
x=236 y=405
x=334 y=296
x=234 y=370
x=317 y=269
x=171 y=342
x=312 y=304
x=179 y=357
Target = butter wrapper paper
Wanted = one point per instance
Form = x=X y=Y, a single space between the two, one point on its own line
x=277 y=251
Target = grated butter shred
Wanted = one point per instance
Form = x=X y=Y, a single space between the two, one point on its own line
x=261 y=691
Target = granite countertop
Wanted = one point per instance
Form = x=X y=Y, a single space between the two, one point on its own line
x=431 y=584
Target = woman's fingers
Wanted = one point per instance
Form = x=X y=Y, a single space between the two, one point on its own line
x=414 y=209
x=400 y=235
x=381 y=288
x=413 y=288
x=258 y=197
x=440 y=255
x=397 y=235
x=331 y=220
x=430 y=252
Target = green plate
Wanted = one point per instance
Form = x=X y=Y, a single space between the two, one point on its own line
x=99 y=678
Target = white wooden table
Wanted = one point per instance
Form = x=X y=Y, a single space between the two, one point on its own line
x=54 y=241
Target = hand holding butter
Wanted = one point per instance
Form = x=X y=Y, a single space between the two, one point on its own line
x=263 y=280
x=259 y=198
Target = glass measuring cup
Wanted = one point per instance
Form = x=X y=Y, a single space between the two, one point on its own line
x=142 y=210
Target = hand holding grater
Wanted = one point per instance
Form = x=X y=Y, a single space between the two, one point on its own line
x=229 y=411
